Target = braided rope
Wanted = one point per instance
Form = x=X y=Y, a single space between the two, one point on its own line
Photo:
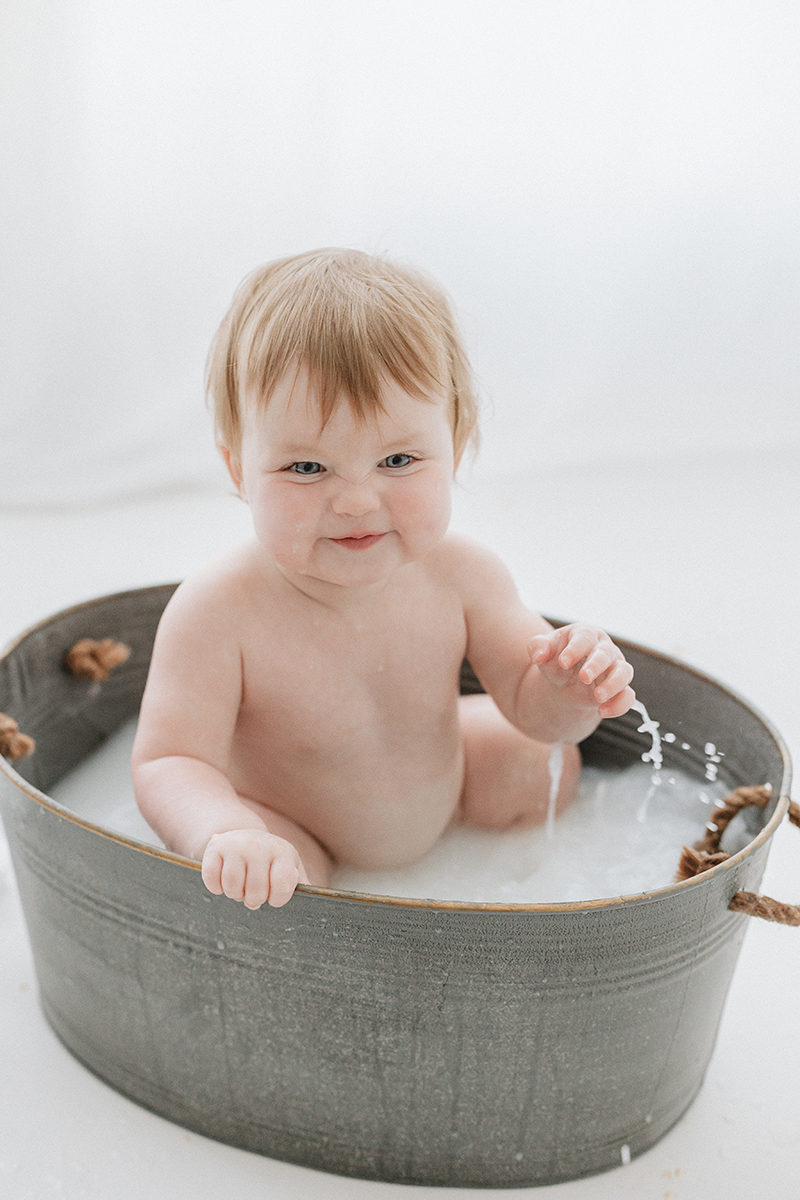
x=720 y=819
x=707 y=854
x=765 y=907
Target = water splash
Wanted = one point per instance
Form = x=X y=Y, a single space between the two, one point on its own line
x=555 y=766
x=654 y=755
x=713 y=758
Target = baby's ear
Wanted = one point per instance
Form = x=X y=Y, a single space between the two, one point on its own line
x=234 y=468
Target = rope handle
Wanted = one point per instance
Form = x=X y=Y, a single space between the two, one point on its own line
x=87 y=659
x=706 y=854
x=95 y=660
x=13 y=743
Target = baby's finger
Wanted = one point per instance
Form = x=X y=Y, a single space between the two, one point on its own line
x=618 y=677
x=599 y=661
x=581 y=642
x=233 y=875
x=211 y=869
x=619 y=704
x=541 y=648
x=256 y=884
x=283 y=879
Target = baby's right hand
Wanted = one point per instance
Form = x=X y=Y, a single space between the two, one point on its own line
x=253 y=866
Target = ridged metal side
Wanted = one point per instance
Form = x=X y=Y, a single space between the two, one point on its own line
x=409 y=1041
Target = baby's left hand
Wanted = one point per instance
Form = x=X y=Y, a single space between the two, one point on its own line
x=585 y=663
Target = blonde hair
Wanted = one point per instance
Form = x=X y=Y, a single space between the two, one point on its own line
x=351 y=319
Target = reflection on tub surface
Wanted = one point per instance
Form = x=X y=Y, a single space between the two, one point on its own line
x=613 y=840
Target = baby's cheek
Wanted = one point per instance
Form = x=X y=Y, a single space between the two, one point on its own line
x=428 y=509
x=283 y=526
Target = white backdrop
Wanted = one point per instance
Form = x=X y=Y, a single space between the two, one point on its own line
x=608 y=190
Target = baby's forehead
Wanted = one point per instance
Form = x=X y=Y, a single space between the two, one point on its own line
x=294 y=403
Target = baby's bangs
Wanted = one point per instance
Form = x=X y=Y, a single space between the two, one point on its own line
x=350 y=336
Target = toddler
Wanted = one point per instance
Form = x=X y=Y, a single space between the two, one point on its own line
x=302 y=707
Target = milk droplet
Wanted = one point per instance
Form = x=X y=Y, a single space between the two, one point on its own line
x=650 y=726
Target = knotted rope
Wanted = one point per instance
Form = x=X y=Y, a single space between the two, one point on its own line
x=95 y=660
x=706 y=854
x=13 y=744
x=87 y=659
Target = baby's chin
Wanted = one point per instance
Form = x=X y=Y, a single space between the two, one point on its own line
x=353 y=574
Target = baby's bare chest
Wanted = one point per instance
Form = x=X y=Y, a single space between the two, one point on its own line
x=328 y=686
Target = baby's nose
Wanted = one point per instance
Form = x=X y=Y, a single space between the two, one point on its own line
x=356 y=499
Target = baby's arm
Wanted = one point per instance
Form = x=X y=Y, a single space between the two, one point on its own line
x=554 y=685
x=182 y=749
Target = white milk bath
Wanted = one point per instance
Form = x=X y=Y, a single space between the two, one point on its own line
x=622 y=835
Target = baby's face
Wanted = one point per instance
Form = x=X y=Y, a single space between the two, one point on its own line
x=350 y=503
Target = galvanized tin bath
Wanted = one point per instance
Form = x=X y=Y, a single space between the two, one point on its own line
x=411 y=1041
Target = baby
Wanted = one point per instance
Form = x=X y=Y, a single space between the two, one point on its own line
x=302 y=708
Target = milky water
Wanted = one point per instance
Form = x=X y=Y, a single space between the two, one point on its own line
x=623 y=833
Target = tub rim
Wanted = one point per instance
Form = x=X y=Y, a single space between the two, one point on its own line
x=781 y=808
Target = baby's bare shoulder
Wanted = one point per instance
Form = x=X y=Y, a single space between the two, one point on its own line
x=472 y=568
x=220 y=594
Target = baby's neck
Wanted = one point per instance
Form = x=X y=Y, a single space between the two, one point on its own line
x=343 y=598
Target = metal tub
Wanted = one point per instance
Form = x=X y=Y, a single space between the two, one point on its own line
x=411 y=1041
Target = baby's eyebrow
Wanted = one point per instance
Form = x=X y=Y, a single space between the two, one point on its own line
x=415 y=437
x=305 y=453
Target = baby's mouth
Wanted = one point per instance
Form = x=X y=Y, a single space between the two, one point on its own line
x=359 y=541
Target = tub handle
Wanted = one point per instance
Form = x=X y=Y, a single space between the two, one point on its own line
x=13 y=743
x=707 y=854
x=764 y=906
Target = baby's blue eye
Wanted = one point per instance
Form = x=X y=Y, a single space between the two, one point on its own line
x=306 y=468
x=397 y=460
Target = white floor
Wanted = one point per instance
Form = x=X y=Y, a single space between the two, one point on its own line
x=698 y=558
